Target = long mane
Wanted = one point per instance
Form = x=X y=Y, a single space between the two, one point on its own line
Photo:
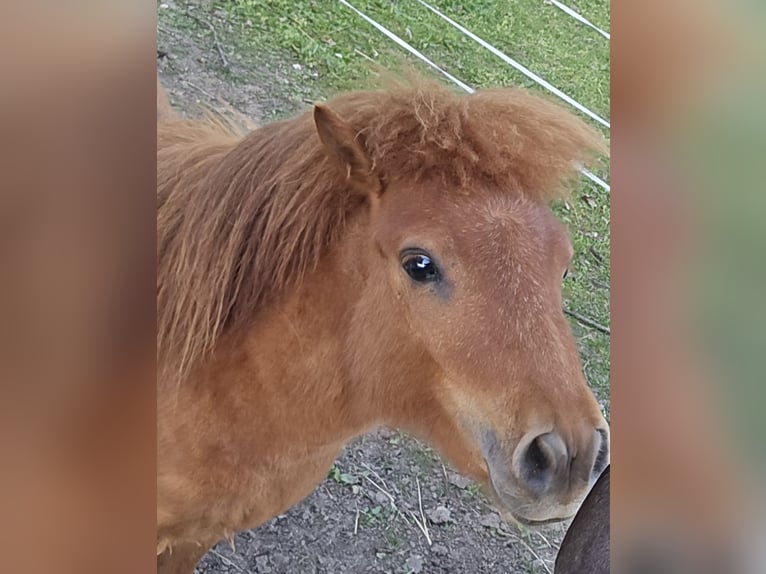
x=242 y=218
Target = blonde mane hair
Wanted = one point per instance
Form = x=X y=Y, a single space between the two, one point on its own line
x=242 y=218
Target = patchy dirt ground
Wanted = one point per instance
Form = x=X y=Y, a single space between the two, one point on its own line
x=366 y=516
x=224 y=71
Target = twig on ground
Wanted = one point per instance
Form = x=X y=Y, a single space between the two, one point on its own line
x=380 y=478
x=356 y=521
x=381 y=489
x=363 y=55
x=547 y=542
x=201 y=90
x=422 y=526
x=216 y=43
x=528 y=547
x=422 y=523
x=587 y=321
x=228 y=562
x=392 y=499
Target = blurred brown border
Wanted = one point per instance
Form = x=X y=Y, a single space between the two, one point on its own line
x=677 y=489
x=77 y=311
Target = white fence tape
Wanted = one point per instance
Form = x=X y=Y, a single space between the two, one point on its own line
x=579 y=18
x=412 y=50
x=408 y=47
x=524 y=70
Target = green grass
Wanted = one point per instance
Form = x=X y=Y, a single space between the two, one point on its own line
x=330 y=41
x=327 y=35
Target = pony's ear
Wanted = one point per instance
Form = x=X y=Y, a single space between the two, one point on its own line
x=344 y=144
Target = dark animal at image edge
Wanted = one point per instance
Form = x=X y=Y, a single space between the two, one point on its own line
x=585 y=549
x=387 y=258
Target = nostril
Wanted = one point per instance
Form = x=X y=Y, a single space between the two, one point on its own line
x=536 y=463
x=539 y=461
x=602 y=458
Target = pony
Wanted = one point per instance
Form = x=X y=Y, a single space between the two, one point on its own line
x=389 y=257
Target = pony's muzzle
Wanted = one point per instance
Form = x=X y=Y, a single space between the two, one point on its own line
x=548 y=466
x=544 y=476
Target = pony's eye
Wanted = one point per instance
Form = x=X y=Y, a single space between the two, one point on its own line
x=566 y=272
x=420 y=267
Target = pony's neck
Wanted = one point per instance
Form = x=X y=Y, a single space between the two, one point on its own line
x=290 y=372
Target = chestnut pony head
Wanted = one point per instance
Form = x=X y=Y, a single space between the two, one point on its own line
x=460 y=321
x=426 y=214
